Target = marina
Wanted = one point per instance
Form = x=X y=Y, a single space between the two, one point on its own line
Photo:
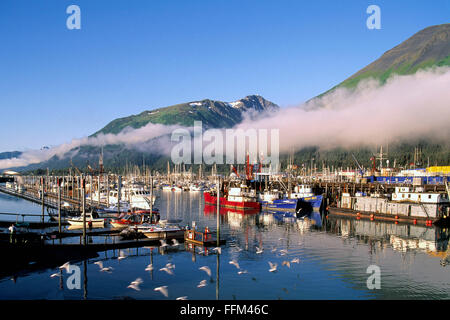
x=303 y=228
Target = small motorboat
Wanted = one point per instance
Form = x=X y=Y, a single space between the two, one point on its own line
x=164 y=229
x=135 y=219
x=90 y=221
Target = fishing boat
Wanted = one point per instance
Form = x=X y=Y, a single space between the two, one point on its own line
x=195 y=187
x=301 y=202
x=90 y=221
x=239 y=198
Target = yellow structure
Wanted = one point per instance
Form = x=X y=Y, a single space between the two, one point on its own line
x=439 y=169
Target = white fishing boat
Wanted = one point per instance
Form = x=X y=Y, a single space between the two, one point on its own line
x=164 y=229
x=90 y=220
x=137 y=197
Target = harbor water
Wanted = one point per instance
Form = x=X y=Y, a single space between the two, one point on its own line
x=328 y=259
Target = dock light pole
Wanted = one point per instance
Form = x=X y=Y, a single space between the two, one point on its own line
x=83 y=202
x=218 y=211
x=107 y=190
x=42 y=195
x=59 y=206
x=119 y=190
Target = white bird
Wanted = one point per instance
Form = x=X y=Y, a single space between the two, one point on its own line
x=170 y=265
x=163 y=243
x=235 y=263
x=202 y=284
x=121 y=255
x=175 y=242
x=296 y=260
x=168 y=270
x=218 y=250
x=54 y=275
x=182 y=298
x=274 y=249
x=259 y=250
x=273 y=266
x=163 y=290
x=99 y=263
x=283 y=252
x=149 y=267
x=242 y=271
x=135 y=284
x=287 y=263
x=107 y=269
x=65 y=266
x=206 y=269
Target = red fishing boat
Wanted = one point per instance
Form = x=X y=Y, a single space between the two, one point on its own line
x=235 y=198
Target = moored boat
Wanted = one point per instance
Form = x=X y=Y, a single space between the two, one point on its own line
x=236 y=198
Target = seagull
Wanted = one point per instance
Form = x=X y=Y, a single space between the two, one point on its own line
x=163 y=290
x=163 y=243
x=201 y=284
x=102 y=268
x=135 y=284
x=283 y=252
x=182 y=298
x=259 y=250
x=235 y=263
x=242 y=271
x=206 y=269
x=121 y=255
x=273 y=267
x=99 y=263
x=287 y=263
x=107 y=269
x=170 y=265
x=296 y=260
x=149 y=267
x=168 y=270
x=218 y=250
x=65 y=266
x=274 y=249
x=54 y=275
x=175 y=242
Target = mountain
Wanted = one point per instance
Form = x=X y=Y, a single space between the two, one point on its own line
x=9 y=155
x=213 y=114
x=427 y=48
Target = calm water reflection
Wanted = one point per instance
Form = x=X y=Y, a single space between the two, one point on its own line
x=333 y=258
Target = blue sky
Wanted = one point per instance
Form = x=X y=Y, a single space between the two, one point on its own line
x=130 y=56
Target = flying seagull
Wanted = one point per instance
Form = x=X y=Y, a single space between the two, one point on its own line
x=206 y=269
x=202 y=284
x=235 y=263
x=163 y=290
x=273 y=266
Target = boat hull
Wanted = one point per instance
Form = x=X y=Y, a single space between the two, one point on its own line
x=311 y=204
x=238 y=205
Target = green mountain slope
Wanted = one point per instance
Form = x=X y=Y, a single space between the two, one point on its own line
x=427 y=48
x=213 y=114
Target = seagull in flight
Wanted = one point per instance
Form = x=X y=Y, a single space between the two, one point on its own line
x=218 y=250
x=206 y=269
x=259 y=250
x=175 y=242
x=135 y=284
x=170 y=265
x=273 y=266
x=102 y=268
x=168 y=270
x=54 y=275
x=65 y=266
x=149 y=267
x=121 y=255
x=242 y=271
x=163 y=290
x=182 y=298
x=287 y=263
x=235 y=263
x=163 y=243
x=283 y=252
x=296 y=260
x=202 y=284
